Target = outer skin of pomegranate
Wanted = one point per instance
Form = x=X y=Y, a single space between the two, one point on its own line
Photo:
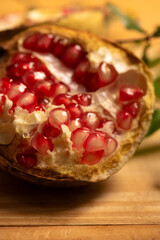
x=126 y=148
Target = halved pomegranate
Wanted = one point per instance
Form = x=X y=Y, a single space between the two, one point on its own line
x=83 y=104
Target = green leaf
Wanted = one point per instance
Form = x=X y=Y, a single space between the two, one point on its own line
x=128 y=22
x=156 y=32
x=157 y=87
x=155 y=125
x=149 y=62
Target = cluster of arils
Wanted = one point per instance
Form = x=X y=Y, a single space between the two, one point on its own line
x=30 y=85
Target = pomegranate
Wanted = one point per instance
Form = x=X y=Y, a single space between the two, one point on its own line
x=82 y=114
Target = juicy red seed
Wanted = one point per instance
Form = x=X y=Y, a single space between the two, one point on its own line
x=27 y=100
x=50 y=131
x=22 y=68
x=11 y=71
x=59 y=88
x=5 y=84
x=42 y=144
x=62 y=99
x=72 y=55
x=44 y=43
x=2 y=101
x=79 y=136
x=92 y=83
x=16 y=90
x=95 y=142
x=111 y=146
x=23 y=57
x=81 y=71
x=106 y=74
x=30 y=42
x=58 y=47
x=91 y=120
x=43 y=102
x=39 y=66
x=132 y=108
x=26 y=160
x=92 y=158
x=30 y=78
x=58 y=116
x=75 y=110
x=124 y=120
x=35 y=108
x=43 y=88
x=74 y=124
x=83 y=99
x=130 y=93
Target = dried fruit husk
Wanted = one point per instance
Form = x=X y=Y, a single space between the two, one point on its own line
x=104 y=169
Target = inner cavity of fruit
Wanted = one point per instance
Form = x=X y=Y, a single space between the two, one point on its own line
x=31 y=85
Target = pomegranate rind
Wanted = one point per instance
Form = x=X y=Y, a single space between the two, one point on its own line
x=70 y=174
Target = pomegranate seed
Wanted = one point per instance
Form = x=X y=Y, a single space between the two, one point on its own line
x=111 y=146
x=75 y=110
x=58 y=47
x=58 y=116
x=59 y=88
x=79 y=136
x=92 y=83
x=91 y=158
x=91 y=120
x=30 y=42
x=26 y=160
x=43 y=88
x=2 y=101
x=16 y=90
x=23 y=57
x=81 y=71
x=95 y=142
x=132 y=108
x=27 y=100
x=50 y=131
x=44 y=43
x=72 y=55
x=5 y=84
x=39 y=66
x=124 y=120
x=35 y=108
x=42 y=144
x=62 y=99
x=22 y=68
x=11 y=72
x=83 y=99
x=106 y=74
x=30 y=78
x=44 y=102
x=74 y=124
x=130 y=93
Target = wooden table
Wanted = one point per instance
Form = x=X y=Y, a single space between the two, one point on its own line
x=127 y=206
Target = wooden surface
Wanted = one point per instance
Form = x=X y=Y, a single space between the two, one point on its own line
x=127 y=206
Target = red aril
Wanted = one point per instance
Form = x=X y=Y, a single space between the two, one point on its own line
x=27 y=100
x=74 y=124
x=16 y=90
x=128 y=93
x=23 y=57
x=92 y=82
x=111 y=146
x=59 y=88
x=132 y=108
x=95 y=142
x=42 y=144
x=5 y=84
x=30 y=78
x=91 y=120
x=75 y=110
x=44 y=43
x=124 y=120
x=92 y=158
x=62 y=99
x=83 y=99
x=39 y=66
x=26 y=160
x=21 y=68
x=79 y=136
x=50 y=131
x=43 y=89
x=2 y=101
x=72 y=55
x=58 y=116
x=30 y=41
x=81 y=71
x=58 y=47
x=106 y=74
